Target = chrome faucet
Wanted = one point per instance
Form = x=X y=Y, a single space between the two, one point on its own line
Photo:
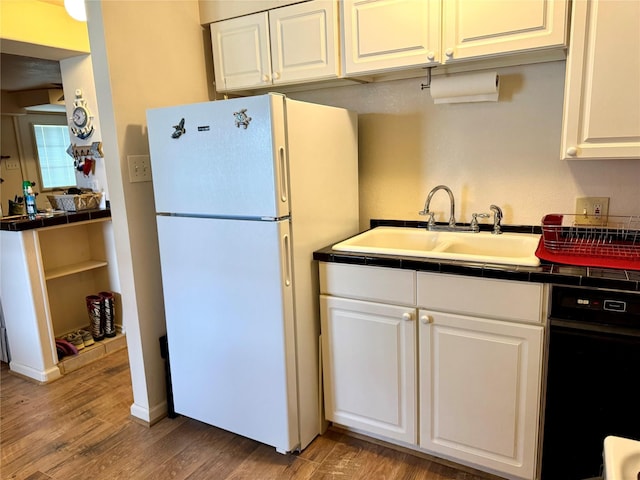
x=497 y=217
x=475 y=225
x=431 y=224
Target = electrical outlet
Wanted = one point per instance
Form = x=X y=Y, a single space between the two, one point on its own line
x=139 y=168
x=12 y=164
x=592 y=210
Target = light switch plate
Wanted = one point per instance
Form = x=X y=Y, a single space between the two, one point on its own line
x=592 y=210
x=139 y=168
x=12 y=164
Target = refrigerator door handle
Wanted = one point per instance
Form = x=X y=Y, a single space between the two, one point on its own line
x=286 y=259
x=283 y=175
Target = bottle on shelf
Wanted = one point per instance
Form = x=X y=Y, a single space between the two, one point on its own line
x=29 y=199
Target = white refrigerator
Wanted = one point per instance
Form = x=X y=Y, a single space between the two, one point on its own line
x=245 y=190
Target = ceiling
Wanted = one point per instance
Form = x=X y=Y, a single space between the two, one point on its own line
x=19 y=71
x=27 y=73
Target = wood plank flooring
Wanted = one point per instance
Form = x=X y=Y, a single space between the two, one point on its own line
x=79 y=427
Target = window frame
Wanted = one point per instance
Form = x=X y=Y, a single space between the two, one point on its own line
x=27 y=145
x=36 y=152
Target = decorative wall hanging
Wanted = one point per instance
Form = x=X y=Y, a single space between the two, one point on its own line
x=81 y=118
x=84 y=157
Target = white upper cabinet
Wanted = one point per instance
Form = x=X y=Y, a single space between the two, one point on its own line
x=214 y=11
x=473 y=28
x=602 y=88
x=307 y=41
x=291 y=44
x=241 y=53
x=383 y=35
x=304 y=42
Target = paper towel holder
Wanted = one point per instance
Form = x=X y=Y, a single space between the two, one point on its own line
x=428 y=84
x=466 y=88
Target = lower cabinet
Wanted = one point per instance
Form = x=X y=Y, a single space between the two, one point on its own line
x=369 y=361
x=448 y=365
x=479 y=390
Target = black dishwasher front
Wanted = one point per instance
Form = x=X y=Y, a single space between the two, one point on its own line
x=593 y=378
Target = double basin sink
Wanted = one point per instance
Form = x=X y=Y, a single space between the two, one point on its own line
x=483 y=247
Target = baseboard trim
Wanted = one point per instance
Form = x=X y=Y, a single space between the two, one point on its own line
x=37 y=376
x=149 y=417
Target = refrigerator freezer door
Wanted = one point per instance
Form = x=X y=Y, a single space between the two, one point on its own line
x=229 y=314
x=224 y=159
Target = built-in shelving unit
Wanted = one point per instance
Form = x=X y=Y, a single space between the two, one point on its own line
x=47 y=273
x=75 y=264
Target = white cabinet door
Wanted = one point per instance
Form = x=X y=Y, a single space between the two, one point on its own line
x=602 y=88
x=291 y=44
x=304 y=43
x=389 y=34
x=479 y=391
x=473 y=28
x=241 y=54
x=369 y=362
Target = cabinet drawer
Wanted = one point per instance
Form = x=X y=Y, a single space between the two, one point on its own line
x=377 y=284
x=500 y=299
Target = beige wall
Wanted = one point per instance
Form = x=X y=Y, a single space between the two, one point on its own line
x=505 y=153
x=77 y=74
x=145 y=54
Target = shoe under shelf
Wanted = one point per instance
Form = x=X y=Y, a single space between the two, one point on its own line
x=92 y=353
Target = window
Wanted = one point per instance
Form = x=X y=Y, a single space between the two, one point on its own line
x=56 y=165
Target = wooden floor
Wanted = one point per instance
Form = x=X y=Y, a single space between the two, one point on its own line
x=79 y=427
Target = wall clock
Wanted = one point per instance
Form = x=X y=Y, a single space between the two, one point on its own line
x=81 y=118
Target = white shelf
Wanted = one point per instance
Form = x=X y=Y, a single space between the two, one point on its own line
x=74 y=268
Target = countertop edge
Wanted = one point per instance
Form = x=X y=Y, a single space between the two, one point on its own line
x=22 y=224
x=551 y=273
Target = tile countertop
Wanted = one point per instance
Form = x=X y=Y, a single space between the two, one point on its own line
x=21 y=223
x=628 y=280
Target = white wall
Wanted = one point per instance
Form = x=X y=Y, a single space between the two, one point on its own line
x=505 y=152
x=145 y=54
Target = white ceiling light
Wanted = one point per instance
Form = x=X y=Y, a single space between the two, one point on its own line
x=76 y=9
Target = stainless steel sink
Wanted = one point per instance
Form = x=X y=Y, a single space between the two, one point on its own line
x=484 y=247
